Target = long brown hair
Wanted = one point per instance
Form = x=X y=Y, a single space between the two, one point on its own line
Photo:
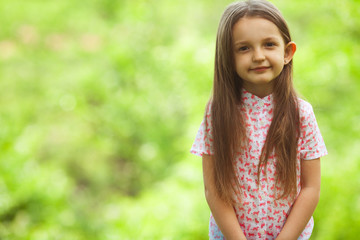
x=229 y=131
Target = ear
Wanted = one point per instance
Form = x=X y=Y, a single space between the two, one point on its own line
x=290 y=50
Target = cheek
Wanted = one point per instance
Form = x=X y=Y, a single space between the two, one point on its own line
x=241 y=62
x=240 y=66
x=280 y=56
x=278 y=62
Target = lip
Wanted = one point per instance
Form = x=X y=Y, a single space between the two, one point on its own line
x=260 y=69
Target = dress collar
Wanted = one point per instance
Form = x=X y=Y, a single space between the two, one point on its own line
x=252 y=100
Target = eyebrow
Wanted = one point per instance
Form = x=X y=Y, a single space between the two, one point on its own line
x=263 y=40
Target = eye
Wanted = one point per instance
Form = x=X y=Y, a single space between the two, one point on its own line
x=243 y=49
x=270 y=44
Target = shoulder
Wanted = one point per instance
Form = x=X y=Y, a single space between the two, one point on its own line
x=209 y=106
x=208 y=110
x=305 y=108
x=307 y=116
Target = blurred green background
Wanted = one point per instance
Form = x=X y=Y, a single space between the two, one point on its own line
x=101 y=99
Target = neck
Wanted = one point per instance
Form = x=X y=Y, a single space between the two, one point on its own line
x=259 y=90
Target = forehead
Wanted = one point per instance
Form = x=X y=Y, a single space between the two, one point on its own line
x=255 y=29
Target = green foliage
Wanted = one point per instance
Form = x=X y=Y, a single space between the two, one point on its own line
x=101 y=101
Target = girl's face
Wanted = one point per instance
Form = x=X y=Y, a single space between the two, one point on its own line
x=260 y=53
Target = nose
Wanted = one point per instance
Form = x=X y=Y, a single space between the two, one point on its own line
x=258 y=55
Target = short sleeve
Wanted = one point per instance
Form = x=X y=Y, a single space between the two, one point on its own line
x=203 y=143
x=312 y=143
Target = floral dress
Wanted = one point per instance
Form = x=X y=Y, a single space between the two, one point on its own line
x=260 y=215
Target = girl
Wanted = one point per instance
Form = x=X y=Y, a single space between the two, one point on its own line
x=259 y=142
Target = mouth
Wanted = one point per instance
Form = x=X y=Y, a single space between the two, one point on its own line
x=259 y=69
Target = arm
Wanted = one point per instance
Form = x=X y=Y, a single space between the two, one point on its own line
x=223 y=213
x=306 y=202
